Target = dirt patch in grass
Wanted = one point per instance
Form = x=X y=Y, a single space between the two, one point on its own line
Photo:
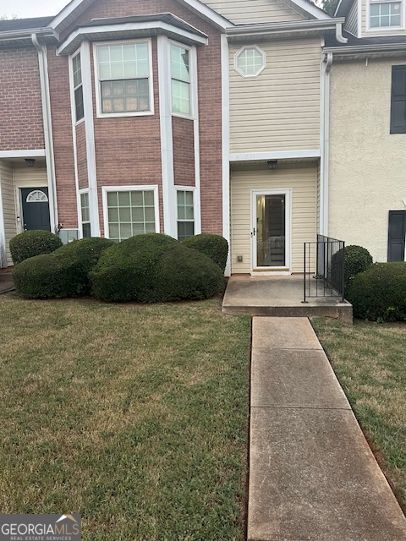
x=134 y=416
x=369 y=360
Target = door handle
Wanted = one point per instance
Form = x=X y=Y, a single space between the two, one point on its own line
x=253 y=232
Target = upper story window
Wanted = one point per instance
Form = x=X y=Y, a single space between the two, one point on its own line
x=78 y=87
x=384 y=14
x=124 y=78
x=180 y=80
x=250 y=61
x=398 y=101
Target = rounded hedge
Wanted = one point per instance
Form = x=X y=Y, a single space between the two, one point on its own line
x=64 y=273
x=214 y=246
x=154 y=268
x=356 y=259
x=31 y=243
x=379 y=293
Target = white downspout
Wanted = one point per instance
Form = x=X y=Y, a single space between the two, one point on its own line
x=48 y=136
x=325 y=143
x=339 y=34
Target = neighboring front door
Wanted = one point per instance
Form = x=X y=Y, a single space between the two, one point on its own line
x=270 y=230
x=35 y=207
x=396 y=235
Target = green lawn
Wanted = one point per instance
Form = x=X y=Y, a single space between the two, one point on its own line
x=134 y=416
x=370 y=362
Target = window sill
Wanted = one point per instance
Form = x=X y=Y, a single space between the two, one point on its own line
x=125 y=115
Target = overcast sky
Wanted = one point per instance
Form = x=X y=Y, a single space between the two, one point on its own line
x=30 y=8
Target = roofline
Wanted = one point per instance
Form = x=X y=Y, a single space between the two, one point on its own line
x=27 y=32
x=369 y=49
x=311 y=8
x=65 y=47
x=196 y=5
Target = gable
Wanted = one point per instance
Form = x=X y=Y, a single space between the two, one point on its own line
x=257 y=11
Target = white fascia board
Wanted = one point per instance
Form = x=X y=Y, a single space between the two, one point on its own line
x=64 y=13
x=275 y=155
x=110 y=30
x=208 y=13
x=37 y=153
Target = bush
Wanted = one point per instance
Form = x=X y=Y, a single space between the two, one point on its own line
x=356 y=259
x=64 y=273
x=213 y=246
x=379 y=293
x=32 y=243
x=154 y=268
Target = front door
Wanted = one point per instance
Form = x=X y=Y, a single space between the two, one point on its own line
x=270 y=230
x=35 y=209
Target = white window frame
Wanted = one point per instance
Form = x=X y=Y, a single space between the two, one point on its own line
x=131 y=188
x=80 y=193
x=237 y=54
x=194 y=191
x=385 y=28
x=193 y=78
x=99 y=112
x=73 y=88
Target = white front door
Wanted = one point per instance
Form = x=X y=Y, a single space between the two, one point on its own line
x=270 y=211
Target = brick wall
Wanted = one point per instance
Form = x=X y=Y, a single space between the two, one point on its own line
x=183 y=151
x=20 y=100
x=128 y=149
x=81 y=155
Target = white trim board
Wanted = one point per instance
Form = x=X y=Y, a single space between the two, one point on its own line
x=274 y=155
x=37 y=153
x=225 y=114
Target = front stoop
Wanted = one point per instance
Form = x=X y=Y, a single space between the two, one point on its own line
x=312 y=473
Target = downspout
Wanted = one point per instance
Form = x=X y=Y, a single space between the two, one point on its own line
x=48 y=136
x=325 y=143
x=339 y=34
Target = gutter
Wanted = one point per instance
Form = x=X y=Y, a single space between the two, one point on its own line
x=370 y=49
x=48 y=135
x=24 y=34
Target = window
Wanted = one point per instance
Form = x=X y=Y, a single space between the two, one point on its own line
x=250 y=61
x=180 y=80
x=124 y=78
x=186 y=218
x=78 y=87
x=85 y=213
x=130 y=213
x=396 y=235
x=398 y=105
x=384 y=14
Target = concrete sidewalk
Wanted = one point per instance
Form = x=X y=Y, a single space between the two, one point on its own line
x=312 y=473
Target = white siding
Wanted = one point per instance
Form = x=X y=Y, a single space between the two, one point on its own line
x=301 y=178
x=280 y=108
x=351 y=23
x=255 y=11
x=9 y=208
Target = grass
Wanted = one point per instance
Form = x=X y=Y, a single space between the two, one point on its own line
x=369 y=360
x=134 y=416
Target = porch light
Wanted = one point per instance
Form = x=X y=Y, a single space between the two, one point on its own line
x=30 y=162
x=272 y=164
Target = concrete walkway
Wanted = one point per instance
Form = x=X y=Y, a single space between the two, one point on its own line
x=312 y=473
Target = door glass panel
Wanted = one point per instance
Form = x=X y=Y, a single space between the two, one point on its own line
x=271 y=230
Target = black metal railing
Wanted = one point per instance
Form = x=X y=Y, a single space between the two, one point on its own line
x=323 y=270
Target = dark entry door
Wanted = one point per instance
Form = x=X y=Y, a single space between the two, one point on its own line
x=35 y=208
x=396 y=235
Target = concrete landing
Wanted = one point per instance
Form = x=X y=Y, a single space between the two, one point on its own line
x=312 y=473
x=279 y=296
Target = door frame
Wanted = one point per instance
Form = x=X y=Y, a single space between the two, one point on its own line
x=20 y=207
x=287 y=192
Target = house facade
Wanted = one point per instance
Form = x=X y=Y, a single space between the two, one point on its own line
x=265 y=121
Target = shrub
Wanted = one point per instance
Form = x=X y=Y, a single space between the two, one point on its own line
x=379 y=293
x=213 y=246
x=32 y=243
x=64 y=273
x=356 y=259
x=154 y=268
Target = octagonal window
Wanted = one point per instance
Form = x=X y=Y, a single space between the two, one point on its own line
x=250 y=61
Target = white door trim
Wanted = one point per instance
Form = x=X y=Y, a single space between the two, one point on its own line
x=287 y=192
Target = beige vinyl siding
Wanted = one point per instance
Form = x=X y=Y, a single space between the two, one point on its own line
x=301 y=178
x=30 y=176
x=255 y=11
x=9 y=208
x=351 y=23
x=280 y=108
x=383 y=31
